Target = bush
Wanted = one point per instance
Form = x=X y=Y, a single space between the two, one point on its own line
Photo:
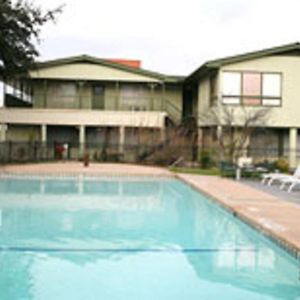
x=267 y=165
x=206 y=160
x=282 y=165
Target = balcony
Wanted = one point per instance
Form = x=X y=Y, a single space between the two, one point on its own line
x=78 y=117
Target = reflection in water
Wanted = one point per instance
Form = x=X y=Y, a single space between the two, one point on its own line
x=128 y=239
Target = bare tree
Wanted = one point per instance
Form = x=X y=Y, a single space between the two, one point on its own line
x=234 y=127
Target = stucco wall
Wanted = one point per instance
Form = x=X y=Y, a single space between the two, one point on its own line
x=203 y=100
x=287 y=115
x=88 y=71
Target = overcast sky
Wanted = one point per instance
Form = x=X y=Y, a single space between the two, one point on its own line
x=169 y=36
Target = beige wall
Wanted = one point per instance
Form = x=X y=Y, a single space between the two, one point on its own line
x=173 y=102
x=173 y=94
x=88 y=71
x=78 y=117
x=288 y=114
x=203 y=100
x=20 y=133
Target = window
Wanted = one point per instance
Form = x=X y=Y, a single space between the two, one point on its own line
x=271 y=89
x=232 y=84
x=134 y=97
x=252 y=88
x=66 y=90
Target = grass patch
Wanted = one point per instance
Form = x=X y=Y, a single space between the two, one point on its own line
x=198 y=171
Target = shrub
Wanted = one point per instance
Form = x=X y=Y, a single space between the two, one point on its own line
x=282 y=165
x=95 y=156
x=206 y=160
x=103 y=155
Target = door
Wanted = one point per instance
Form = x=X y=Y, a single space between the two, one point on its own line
x=98 y=97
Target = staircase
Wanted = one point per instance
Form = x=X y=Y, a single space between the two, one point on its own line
x=179 y=144
x=174 y=112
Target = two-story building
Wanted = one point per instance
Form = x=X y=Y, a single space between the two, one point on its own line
x=262 y=80
x=84 y=100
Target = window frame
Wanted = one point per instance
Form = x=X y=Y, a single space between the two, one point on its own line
x=261 y=97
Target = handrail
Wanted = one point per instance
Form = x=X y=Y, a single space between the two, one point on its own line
x=172 y=110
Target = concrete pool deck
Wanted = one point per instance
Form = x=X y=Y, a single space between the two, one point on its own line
x=276 y=218
x=94 y=169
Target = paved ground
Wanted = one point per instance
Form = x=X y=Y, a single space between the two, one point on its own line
x=276 y=217
x=78 y=168
x=274 y=190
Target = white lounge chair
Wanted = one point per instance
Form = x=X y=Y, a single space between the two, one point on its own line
x=271 y=177
x=292 y=182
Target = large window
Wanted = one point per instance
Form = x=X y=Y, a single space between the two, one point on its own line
x=252 y=88
x=64 y=91
x=134 y=96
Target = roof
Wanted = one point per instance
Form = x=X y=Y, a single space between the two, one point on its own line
x=107 y=63
x=134 y=63
x=213 y=65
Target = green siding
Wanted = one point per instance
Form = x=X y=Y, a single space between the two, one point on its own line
x=81 y=96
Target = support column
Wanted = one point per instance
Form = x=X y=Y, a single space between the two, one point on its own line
x=121 y=138
x=163 y=97
x=117 y=95
x=3 y=129
x=219 y=131
x=4 y=93
x=81 y=140
x=45 y=88
x=152 y=87
x=44 y=140
x=44 y=134
x=293 y=147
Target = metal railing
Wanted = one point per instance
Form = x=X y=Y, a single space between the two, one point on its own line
x=112 y=103
x=154 y=154
x=173 y=111
x=163 y=153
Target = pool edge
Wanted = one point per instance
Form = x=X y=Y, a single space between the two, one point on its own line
x=283 y=242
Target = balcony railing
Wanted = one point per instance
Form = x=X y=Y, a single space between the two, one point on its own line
x=110 y=103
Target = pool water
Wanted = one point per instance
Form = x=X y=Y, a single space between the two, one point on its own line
x=130 y=238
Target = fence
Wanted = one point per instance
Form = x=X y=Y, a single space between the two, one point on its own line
x=258 y=155
x=155 y=154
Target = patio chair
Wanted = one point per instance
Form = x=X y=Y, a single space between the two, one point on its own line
x=283 y=178
x=291 y=181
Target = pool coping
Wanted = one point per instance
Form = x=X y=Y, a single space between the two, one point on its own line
x=76 y=169
x=281 y=240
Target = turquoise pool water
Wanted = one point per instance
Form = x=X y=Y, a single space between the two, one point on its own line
x=115 y=238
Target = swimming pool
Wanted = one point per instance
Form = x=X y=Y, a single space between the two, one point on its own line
x=130 y=238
